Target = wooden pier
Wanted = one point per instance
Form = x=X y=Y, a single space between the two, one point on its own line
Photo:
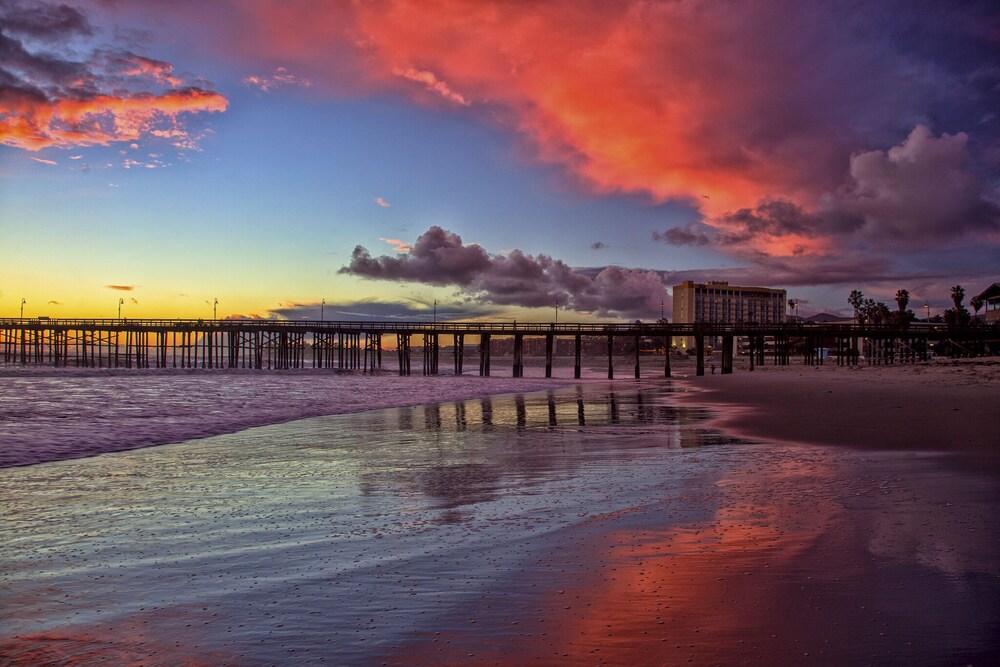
x=358 y=346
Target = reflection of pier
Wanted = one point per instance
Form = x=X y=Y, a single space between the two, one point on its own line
x=555 y=410
x=279 y=344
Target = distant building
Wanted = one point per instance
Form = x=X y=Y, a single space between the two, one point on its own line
x=721 y=302
x=991 y=301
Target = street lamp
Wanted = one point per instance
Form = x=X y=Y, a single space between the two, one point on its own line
x=322 y=307
x=661 y=310
x=557 y=311
x=215 y=310
x=927 y=309
x=120 y=302
x=435 y=312
x=22 y=307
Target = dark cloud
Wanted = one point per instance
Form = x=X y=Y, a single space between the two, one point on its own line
x=516 y=279
x=43 y=21
x=598 y=245
x=437 y=258
x=121 y=288
x=893 y=205
x=924 y=189
x=688 y=235
x=383 y=311
x=811 y=272
x=769 y=218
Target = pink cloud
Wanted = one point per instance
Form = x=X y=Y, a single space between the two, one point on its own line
x=381 y=202
x=44 y=161
x=102 y=119
x=432 y=83
x=771 y=119
x=279 y=77
x=398 y=244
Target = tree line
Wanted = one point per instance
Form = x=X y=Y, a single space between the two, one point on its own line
x=870 y=311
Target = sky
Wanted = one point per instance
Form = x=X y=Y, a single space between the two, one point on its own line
x=504 y=159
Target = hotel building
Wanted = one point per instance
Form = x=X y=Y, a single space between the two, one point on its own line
x=721 y=302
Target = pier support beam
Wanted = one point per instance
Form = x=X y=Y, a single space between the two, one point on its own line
x=611 y=361
x=727 y=355
x=577 y=354
x=666 y=357
x=518 y=370
x=699 y=347
x=636 y=342
x=549 y=342
x=403 y=351
x=484 y=355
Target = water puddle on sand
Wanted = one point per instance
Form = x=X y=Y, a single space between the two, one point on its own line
x=593 y=524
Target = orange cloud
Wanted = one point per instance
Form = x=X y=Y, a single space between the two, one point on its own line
x=631 y=96
x=121 y=288
x=399 y=245
x=132 y=66
x=721 y=105
x=431 y=82
x=34 y=124
x=280 y=77
x=57 y=92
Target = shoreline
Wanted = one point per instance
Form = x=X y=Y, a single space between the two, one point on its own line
x=49 y=415
x=951 y=407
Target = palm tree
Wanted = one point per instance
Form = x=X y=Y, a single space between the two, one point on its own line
x=868 y=308
x=957 y=296
x=856 y=299
x=881 y=313
x=976 y=304
x=902 y=299
x=794 y=305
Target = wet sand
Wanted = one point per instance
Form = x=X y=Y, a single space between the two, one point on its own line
x=951 y=407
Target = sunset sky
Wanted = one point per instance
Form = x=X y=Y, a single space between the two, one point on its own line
x=498 y=157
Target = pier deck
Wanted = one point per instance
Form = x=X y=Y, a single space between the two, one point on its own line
x=352 y=345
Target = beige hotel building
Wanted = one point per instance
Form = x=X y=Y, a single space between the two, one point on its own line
x=717 y=301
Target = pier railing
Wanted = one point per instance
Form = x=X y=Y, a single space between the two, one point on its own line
x=529 y=328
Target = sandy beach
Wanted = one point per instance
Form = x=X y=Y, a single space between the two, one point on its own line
x=951 y=407
x=716 y=520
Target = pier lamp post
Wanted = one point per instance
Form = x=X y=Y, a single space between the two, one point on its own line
x=120 y=302
x=557 y=312
x=322 y=307
x=661 y=310
x=215 y=310
x=927 y=309
x=435 y=320
x=22 y=307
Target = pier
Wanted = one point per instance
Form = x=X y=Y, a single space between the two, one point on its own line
x=358 y=346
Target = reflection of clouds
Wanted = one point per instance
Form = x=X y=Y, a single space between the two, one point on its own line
x=660 y=592
x=936 y=518
x=781 y=557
